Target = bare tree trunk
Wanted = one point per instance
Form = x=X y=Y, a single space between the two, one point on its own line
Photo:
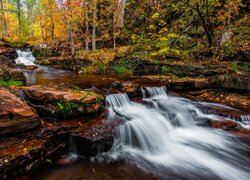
x=87 y=27
x=53 y=32
x=94 y=26
x=30 y=8
x=4 y=25
x=228 y=20
x=19 y=15
x=114 y=33
x=71 y=40
x=206 y=29
x=70 y=33
x=118 y=19
x=41 y=29
x=207 y=6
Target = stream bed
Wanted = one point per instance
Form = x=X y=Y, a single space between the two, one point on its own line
x=160 y=136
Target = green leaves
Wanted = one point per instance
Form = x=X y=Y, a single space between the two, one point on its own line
x=11 y=83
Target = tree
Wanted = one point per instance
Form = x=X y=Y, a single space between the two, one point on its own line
x=94 y=26
x=87 y=26
x=18 y=3
x=118 y=19
x=4 y=24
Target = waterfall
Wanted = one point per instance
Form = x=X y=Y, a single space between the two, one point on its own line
x=25 y=57
x=245 y=119
x=163 y=136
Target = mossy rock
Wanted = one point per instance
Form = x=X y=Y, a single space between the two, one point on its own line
x=63 y=101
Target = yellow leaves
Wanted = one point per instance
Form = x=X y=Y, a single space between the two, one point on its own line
x=134 y=38
x=172 y=35
x=152 y=26
x=156 y=16
x=163 y=30
x=163 y=39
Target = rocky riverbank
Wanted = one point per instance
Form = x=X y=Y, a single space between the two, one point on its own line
x=40 y=123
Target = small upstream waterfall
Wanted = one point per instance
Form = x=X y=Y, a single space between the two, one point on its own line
x=25 y=57
x=164 y=136
x=245 y=119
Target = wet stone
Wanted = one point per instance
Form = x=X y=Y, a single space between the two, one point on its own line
x=15 y=114
x=59 y=101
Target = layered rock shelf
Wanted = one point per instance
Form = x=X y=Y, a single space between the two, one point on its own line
x=15 y=114
x=63 y=101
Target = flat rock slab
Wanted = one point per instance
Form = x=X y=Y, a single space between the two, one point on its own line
x=44 y=145
x=63 y=101
x=15 y=114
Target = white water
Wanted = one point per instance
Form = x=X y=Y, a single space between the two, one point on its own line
x=163 y=138
x=25 y=57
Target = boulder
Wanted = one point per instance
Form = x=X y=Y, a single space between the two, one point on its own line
x=6 y=62
x=189 y=84
x=7 y=71
x=62 y=101
x=15 y=114
x=231 y=81
x=31 y=67
x=224 y=124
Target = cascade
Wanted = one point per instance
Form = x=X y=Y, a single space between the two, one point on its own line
x=25 y=57
x=163 y=135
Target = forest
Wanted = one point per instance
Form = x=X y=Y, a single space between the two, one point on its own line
x=125 y=89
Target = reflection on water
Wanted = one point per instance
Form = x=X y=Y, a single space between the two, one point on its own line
x=86 y=170
x=161 y=138
x=44 y=75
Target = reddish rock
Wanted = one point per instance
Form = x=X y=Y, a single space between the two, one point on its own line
x=15 y=115
x=30 y=67
x=16 y=74
x=224 y=124
x=61 y=101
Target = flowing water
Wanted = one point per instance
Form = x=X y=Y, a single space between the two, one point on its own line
x=166 y=136
x=162 y=136
x=25 y=57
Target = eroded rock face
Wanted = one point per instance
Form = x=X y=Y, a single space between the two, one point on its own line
x=62 y=101
x=15 y=115
x=5 y=62
x=7 y=71
x=190 y=84
x=231 y=81
x=31 y=67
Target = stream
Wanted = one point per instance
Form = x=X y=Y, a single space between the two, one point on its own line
x=162 y=136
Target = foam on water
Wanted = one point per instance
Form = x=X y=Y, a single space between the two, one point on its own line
x=164 y=136
x=25 y=57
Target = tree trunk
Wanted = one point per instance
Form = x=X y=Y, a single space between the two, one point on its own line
x=70 y=32
x=19 y=15
x=72 y=41
x=207 y=6
x=94 y=26
x=87 y=27
x=114 y=37
x=118 y=19
x=4 y=24
x=206 y=29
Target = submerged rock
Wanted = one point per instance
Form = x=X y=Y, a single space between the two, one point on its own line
x=62 y=101
x=31 y=67
x=15 y=115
